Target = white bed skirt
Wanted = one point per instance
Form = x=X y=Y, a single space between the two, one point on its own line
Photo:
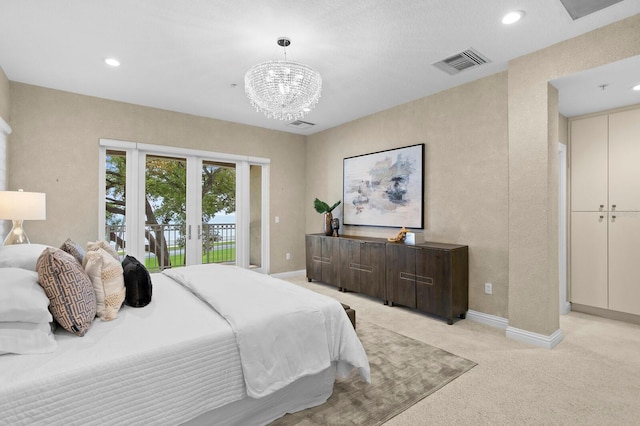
x=307 y=392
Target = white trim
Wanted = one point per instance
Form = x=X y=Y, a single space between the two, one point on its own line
x=492 y=320
x=5 y=130
x=4 y=127
x=562 y=228
x=265 y=252
x=535 y=339
x=290 y=274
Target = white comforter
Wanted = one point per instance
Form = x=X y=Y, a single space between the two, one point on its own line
x=283 y=331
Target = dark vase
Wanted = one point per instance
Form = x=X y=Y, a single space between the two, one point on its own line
x=328 y=230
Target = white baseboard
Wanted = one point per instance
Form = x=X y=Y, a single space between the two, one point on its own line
x=535 y=339
x=492 y=320
x=289 y=274
x=524 y=336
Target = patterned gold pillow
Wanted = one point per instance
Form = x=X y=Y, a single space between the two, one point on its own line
x=107 y=278
x=69 y=289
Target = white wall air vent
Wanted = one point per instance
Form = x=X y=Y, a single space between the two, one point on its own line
x=299 y=124
x=461 y=61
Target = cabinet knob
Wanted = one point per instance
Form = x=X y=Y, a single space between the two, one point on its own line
x=601 y=206
x=601 y=217
x=613 y=206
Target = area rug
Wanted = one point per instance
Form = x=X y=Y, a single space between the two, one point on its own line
x=403 y=372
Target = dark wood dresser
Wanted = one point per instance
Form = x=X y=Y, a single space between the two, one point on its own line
x=429 y=277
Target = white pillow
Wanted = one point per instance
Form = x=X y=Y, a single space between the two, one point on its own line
x=22 y=256
x=106 y=275
x=102 y=244
x=22 y=298
x=26 y=338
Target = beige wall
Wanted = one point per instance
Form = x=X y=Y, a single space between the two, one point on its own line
x=464 y=130
x=54 y=149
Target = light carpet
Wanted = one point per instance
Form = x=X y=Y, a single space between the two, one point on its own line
x=403 y=372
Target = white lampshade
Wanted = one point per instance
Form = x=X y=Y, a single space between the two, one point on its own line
x=19 y=205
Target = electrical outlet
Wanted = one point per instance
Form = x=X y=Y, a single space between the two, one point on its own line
x=488 y=288
x=288 y=256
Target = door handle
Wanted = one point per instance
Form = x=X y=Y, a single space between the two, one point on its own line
x=189 y=232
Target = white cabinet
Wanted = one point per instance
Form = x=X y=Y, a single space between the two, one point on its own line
x=589 y=265
x=624 y=259
x=605 y=211
x=624 y=160
x=589 y=166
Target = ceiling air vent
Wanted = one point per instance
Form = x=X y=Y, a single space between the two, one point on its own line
x=299 y=124
x=461 y=61
x=580 y=8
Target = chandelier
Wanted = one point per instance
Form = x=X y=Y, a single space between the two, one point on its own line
x=283 y=90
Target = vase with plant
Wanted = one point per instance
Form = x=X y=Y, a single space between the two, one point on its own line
x=324 y=208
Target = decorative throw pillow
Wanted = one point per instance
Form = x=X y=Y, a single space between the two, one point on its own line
x=106 y=276
x=26 y=338
x=69 y=289
x=105 y=246
x=137 y=281
x=21 y=297
x=22 y=256
x=73 y=249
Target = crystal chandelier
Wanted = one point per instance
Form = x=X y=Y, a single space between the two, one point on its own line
x=283 y=90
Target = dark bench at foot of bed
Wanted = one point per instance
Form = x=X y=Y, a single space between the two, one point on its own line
x=351 y=313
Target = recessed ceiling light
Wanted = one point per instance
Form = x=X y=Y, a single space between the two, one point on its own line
x=512 y=17
x=636 y=87
x=112 y=62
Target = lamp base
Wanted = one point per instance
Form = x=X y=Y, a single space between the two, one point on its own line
x=16 y=235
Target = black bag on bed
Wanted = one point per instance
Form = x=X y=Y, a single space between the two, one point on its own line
x=137 y=282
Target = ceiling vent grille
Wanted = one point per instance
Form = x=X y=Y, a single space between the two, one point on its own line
x=580 y=8
x=299 y=124
x=461 y=61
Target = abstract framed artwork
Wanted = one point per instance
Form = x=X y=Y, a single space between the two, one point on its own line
x=385 y=188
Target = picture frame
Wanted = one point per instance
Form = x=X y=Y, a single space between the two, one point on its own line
x=385 y=188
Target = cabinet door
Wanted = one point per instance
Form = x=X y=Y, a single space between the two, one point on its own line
x=624 y=254
x=372 y=269
x=350 y=264
x=589 y=272
x=624 y=160
x=589 y=164
x=431 y=281
x=401 y=282
x=314 y=257
x=331 y=260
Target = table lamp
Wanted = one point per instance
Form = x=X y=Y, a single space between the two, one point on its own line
x=18 y=206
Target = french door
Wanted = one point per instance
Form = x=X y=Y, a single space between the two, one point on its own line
x=174 y=207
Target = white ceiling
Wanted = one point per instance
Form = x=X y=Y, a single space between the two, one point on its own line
x=186 y=56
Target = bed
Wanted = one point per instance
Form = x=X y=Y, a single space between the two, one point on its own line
x=216 y=345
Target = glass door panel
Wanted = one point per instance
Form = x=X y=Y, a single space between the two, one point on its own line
x=218 y=226
x=115 y=200
x=165 y=233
